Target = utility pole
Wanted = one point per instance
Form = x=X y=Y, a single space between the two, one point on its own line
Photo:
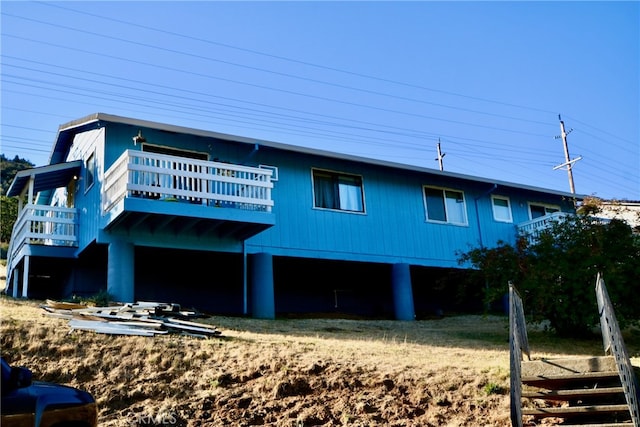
x=440 y=155
x=567 y=159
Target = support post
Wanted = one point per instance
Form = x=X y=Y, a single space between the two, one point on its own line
x=16 y=279
x=402 y=292
x=25 y=277
x=262 y=293
x=245 y=297
x=120 y=271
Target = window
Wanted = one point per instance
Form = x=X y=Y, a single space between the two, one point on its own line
x=444 y=205
x=89 y=171
x=501 y=209
x=538 y=210
x=274 y=176
x=171 y=151
x=333 y=190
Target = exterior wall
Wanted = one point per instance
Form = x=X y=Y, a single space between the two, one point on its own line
x=393 y=228
x=312 y=259
x=628 y=212
x=87 y=196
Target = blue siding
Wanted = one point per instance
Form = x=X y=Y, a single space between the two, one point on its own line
x=393 y=228
x=87 y=198
x=123 y=248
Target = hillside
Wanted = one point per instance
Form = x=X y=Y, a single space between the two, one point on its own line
x=300 y=372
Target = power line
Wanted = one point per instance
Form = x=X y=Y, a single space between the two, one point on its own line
x=297 y=132
x=599 y=130
x=138 y=25
x=396 y=131
x=386 y=142
x=289 y=92
x=352 y=130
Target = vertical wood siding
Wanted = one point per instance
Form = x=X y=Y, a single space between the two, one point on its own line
x=393 y=227
x=87 y=200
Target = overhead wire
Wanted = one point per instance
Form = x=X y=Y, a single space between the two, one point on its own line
x=405 y=132
x=473 y=151
x=397 y=130
x=292 y=60
x=281 y=90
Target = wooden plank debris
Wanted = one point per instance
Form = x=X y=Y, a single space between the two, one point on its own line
x=142 y=318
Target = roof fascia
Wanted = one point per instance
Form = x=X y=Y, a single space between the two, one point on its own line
x=22 y=178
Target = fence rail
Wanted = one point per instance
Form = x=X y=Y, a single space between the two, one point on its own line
x=164 y=177
x=614 y=344
x=518 y=344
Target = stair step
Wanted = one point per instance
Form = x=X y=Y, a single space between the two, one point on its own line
x=572 y=394
x=574 y=410
x=535 y=380
x=568 y=365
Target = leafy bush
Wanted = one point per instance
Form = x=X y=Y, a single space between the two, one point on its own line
x=493 y=388
x=556 y=274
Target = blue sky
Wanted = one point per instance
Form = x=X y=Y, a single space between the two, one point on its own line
x=383 y=80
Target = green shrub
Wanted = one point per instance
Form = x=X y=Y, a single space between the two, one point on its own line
x=556 y=275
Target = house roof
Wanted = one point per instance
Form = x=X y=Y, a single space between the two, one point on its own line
x=45 y=177
x=66 y=132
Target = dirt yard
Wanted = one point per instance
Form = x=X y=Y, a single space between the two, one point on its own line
x=303 y=372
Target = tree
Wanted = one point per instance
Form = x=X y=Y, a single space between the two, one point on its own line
x=9 y=205
x=8 y=216
x=9 y=169
x=556 y=274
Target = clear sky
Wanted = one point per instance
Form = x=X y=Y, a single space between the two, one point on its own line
x=383 y=80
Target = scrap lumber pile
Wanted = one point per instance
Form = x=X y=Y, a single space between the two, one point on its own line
x=141 y=318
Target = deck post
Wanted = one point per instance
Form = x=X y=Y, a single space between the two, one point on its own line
x=120 y=271
x=402 y=292
x=25 y=277
x=16 y=279
x=262 y=295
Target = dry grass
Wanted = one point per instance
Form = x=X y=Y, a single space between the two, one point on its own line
x=302 y=372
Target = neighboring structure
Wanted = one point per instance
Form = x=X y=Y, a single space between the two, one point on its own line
x=150 y=211
x=625 y=210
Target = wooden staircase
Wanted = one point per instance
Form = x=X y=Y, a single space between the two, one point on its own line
x=584 y=391
x=577 y=391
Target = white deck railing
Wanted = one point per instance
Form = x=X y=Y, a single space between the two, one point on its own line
x=532 y=229
x=46 y=225
x=42 y=225
x=172 y=178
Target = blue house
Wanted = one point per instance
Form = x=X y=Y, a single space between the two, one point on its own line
x=228 y=224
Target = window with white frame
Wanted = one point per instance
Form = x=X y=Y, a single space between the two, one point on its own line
x=274 y=169
x=338 y=191
x=444 y=205
x=536 y=210
x=501 y=208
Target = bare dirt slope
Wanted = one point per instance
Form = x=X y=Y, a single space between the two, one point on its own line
x=302 y=372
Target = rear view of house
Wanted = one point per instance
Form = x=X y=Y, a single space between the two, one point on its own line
x=151 y=211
